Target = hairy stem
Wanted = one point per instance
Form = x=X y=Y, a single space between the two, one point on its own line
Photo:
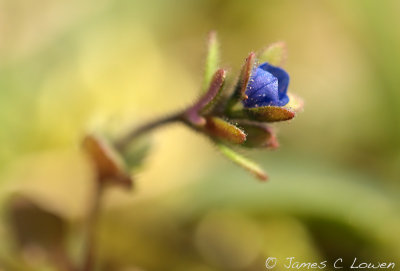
x=122 y=142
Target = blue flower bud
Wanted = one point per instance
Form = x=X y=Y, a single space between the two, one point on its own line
x=267 y=87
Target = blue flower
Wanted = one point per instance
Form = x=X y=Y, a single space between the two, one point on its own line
x=267 y=86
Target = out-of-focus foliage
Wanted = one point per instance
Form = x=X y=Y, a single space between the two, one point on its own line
x=68 y=67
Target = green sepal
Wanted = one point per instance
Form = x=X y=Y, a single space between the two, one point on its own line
x=275 y=54
x=193 y=115
x=264 y=113
x=242 y=161
x=259 y=135
x=223 y=130
x=241 y=85
x=212 y=59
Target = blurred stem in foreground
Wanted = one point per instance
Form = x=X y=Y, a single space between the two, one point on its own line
x=91 y=228
x=110 y=171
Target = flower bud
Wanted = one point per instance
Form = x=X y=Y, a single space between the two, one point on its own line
x=267 y=87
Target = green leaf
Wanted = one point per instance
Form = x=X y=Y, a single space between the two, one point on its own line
x=264 y=113
x=275 y=54
x=221 y=129
x=212 y=59
x=242 y=161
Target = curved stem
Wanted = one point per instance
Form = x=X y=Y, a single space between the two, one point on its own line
x=122 y=142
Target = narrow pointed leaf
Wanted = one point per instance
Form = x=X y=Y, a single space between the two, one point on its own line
x=275 y=54
x=108 y=164
x=192 y=115
x=246 y=74
x=212 y=59
x=244 y=78
x=221 y=129
x=242 y=161
x=214 y=88
x=264 y=113
x=259 y=135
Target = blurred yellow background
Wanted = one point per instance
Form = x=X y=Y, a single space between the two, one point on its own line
x=69 y=67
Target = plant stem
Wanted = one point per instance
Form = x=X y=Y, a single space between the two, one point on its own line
x=91 y=230
x=122 y=142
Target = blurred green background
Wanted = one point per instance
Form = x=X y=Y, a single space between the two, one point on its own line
x=68 y=67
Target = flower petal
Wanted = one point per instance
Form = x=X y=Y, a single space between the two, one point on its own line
x=281 y=75
x=262 y=89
